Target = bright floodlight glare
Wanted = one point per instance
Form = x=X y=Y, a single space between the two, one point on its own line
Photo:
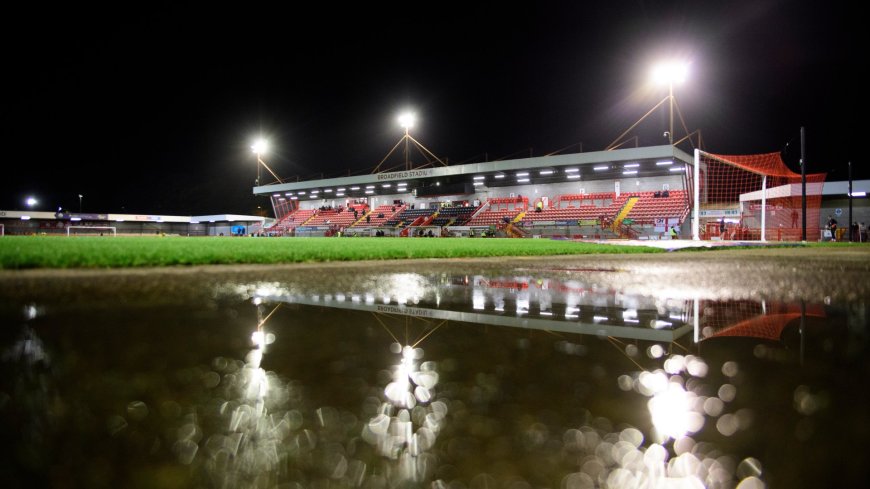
x=670 y=72
x=31 y=202
x=260 y=146
x=407 y=119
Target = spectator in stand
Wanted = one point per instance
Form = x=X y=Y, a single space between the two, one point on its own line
x=832 y=225
x=368 y=218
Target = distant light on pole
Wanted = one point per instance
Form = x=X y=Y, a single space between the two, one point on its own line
x=31 y=201
x=80 y=203
x=407 y=120
x=670 y=72
x=259 y=147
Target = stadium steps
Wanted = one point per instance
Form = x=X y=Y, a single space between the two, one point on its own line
x=477 y=212
x=361 y=218
x=311 y=218
x=514 y=231
x=626 y=208
x=430 y=219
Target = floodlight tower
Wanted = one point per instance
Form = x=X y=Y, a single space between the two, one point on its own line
x=259 y=147
x=406 y=120
x=670 y=72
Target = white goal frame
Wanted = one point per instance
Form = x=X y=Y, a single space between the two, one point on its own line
x=112 y=228
x=760 y=194
x=2 y=230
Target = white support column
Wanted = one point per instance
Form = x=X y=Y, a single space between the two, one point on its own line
x=763 y=208
x=696 y=175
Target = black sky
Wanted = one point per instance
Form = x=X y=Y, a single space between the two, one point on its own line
x=154 y=110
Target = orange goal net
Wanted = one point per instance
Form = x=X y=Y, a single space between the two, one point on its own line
x=753 y=197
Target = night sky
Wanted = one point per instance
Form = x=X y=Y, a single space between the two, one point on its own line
x=154 y=111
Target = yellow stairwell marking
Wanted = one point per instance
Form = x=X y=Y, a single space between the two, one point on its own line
x=626 y=208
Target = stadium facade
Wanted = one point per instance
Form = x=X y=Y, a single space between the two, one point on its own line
x=579 y=194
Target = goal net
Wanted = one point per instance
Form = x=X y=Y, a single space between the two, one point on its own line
x=753 y=197
x=91 y=231
x=752 y=319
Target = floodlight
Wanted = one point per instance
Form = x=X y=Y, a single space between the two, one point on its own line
x=407 y=119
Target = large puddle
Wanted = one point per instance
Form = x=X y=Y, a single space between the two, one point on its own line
x=489 y=377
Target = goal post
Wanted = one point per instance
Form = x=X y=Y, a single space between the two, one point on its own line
x=751 y=197
x=2 y=230
x=90 y=230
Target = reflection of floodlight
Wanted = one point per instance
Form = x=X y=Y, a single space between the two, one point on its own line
x=260 y=146
x=670 y=72
x=406 y=120
x=31 y=202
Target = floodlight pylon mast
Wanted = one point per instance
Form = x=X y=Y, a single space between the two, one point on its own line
x=618 y=141
x=261 y=162
x=408 y=140
x=407 y=149
x=674 y=107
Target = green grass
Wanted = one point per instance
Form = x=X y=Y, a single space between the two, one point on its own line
x=839 y=244
x=19 y=252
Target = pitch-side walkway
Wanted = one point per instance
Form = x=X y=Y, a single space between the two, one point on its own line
x=679 y=244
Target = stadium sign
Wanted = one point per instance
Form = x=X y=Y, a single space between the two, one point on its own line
x=92 y=217
x=406 y=311
x=719 y=213
x=769 y=207
x=398 y=175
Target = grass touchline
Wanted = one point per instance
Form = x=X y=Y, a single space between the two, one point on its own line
x=20 y=252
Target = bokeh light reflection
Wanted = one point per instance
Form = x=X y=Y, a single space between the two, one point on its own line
x=408 y=422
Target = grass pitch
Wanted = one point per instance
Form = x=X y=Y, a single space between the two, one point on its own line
x=20 y=252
